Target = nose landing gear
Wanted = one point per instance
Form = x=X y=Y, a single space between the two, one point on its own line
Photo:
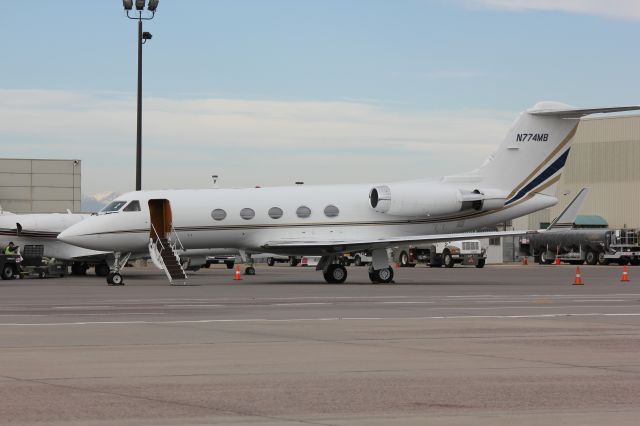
x=114 y=277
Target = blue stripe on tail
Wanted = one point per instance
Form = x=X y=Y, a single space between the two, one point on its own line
x=546 y=174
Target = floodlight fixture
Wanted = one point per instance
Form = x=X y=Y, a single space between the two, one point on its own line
x=128 y=4
x=153 y=5
x=146 y=35
x=140 y=4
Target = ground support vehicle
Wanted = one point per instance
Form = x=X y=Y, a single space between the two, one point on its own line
x=33 y=263
x=360 y=258
x=291 y=260
x=228 y=260
x=9 y=266
x=445 y=254
x=577 y=246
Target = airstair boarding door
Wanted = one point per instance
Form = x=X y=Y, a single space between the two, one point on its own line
x=163 y=245
x=160 y=219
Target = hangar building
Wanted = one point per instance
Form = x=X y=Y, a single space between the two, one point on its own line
x=40 y=186
x=605 y=156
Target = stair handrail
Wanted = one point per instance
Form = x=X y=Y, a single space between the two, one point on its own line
x=173 y=232
x=154 y=245
x=158 y=240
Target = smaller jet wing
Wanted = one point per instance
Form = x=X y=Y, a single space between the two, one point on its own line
x=339 y=246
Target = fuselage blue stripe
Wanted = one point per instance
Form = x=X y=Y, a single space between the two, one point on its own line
x=546 y=174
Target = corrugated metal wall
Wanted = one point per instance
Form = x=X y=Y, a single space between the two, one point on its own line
x=605 y=156
x=40 y=185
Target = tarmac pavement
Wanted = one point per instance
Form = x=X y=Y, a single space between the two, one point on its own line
x=499 y=345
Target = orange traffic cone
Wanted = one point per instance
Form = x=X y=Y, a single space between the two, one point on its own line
x=625 y=275
x=525 y=260
x=237 y=276
x=578 y=279
x=557 y=262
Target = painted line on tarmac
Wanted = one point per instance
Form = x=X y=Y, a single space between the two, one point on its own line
x=83 y=307
x=266 y=320
x=293 y=304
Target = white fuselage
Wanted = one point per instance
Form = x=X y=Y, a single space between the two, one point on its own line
x=356 y=220
x=43 y=229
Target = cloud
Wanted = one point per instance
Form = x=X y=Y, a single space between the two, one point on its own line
x=247 y=142
x=617 y=9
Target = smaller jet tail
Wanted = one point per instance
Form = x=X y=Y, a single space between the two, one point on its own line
x=568 y=216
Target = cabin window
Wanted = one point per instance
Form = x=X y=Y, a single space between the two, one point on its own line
x=331 y=211
x=113 y=207
x=303 y=212
x=275 y=213
x=133 y=206
x=247 y=213
x=218 y=214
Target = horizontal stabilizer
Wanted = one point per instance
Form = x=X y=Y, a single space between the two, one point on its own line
x=577 y=113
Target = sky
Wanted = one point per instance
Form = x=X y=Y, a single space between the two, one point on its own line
x=272 y=92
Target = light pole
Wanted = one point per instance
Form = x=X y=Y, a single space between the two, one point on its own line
x=142 y=38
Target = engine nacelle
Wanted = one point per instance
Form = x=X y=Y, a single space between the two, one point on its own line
x=416 y=199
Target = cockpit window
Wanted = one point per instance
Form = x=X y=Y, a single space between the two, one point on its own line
x=133 y=206
x=113 y=207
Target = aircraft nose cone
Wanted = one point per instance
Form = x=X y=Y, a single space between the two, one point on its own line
x=68 y=236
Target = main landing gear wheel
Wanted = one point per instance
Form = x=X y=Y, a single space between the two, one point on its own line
x=270 y=261
x=250 y=270
x=384 y=275
x=115 y=279
x=358 y=260
x=404 y=259
x=335 y=274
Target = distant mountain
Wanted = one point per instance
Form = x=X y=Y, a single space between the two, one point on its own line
x=95 y=202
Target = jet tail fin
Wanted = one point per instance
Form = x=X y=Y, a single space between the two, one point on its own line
x=530 y=159
x=570 y=213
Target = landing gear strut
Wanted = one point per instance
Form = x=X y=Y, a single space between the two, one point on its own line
x=380 y=271
x=114 y=277
x=246 y=258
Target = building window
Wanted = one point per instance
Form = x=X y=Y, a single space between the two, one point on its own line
x=247 y=213
x=133 y=206
x=275 y=212
x=303 y=212
x=331 y=211
x=218 y=214
x=494 y=241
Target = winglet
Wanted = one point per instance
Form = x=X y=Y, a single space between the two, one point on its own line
x=570 y=213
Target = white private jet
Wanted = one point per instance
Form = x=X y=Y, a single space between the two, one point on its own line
x=42 y=229
x=519 y=178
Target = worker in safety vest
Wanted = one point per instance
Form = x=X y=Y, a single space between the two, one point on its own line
x=11 y=249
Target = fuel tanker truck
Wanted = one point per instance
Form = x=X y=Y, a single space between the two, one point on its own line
x=572 y=244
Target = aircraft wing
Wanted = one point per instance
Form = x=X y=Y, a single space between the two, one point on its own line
x=321 y=247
